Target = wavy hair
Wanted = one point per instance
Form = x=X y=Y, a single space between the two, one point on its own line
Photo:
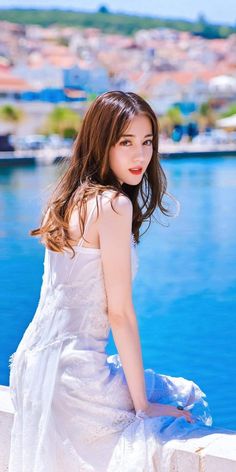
x=89 y=174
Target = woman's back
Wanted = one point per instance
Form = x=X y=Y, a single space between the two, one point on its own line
x=72 y=285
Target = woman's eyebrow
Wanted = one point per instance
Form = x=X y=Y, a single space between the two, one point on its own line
x=133 y=135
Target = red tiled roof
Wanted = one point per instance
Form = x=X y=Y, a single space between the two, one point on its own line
x=10 y=83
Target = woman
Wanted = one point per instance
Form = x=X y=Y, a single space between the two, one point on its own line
x=77 y=409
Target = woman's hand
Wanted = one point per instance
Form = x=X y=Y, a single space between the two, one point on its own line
x=160 y=409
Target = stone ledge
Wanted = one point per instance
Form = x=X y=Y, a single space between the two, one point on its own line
x=204 y=450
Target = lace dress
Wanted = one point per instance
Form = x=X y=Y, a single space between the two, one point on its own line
x=73 y=409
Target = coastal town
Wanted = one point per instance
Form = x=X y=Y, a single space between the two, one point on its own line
x=189 y=80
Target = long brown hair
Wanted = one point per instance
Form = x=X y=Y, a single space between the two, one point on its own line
x=89 y=173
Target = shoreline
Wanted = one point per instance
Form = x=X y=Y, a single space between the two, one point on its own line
x=52 y=156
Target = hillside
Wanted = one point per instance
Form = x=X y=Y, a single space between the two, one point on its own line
x=113 y=23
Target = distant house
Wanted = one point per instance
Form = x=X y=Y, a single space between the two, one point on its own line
x=76 y=78
x=99 y=81
x=223 y=86
x=11 y=86
x=43 y=83
x=163 y=92
x=46 y=84
x=40 y=77
x=90 y=80
x=197 y=91
x=52 y=94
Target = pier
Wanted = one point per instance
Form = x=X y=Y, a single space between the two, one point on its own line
x=36 y=157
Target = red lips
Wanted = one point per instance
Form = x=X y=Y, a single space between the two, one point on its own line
x=136 y=172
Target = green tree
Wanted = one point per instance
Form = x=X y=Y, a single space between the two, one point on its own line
x=62 y=121
x=103 y=9
x=231 y=111
x=206 y=116
x=202 y=19
x=171 y=118
x=175 y=116
x=12 y=115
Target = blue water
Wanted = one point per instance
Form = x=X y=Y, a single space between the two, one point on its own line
x=184 y=292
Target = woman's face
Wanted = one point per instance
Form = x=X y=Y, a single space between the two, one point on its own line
x=133 y=151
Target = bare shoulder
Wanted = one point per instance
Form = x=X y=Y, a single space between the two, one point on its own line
x=120 y=203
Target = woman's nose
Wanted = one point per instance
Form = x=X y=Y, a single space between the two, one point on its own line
x=140 y=153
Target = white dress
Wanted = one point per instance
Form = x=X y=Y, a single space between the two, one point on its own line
x=73 y=409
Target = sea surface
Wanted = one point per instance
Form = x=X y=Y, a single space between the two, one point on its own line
x=185 y=290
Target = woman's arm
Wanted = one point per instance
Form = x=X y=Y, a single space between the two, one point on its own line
x=115 y=242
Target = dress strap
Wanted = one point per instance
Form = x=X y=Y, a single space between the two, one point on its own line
x=87 y=223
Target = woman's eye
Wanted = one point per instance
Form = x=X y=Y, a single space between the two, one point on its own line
x=126 y=142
